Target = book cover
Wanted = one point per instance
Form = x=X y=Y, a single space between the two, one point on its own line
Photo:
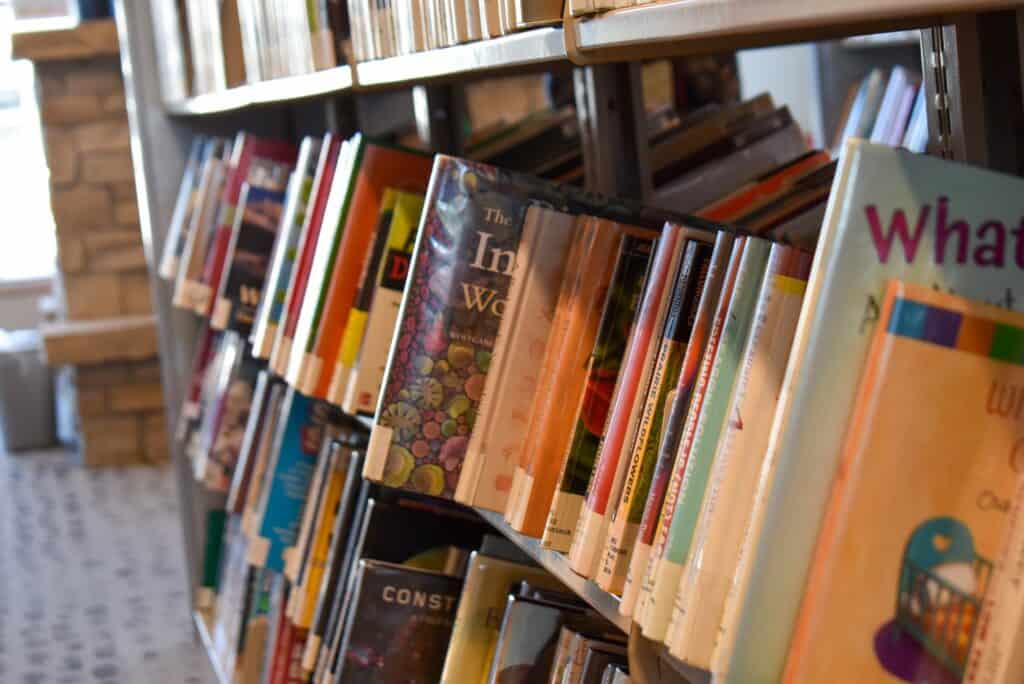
x=480 y=611
x=722 y=520
x=184 y=205
x=490 y=459
x=927 y=474
x=677 y=407
x=252 y=241
x=286 y=245
x=301 y=429
x=242 y=475
x=189 y=290
x=257 y=162
x=332 y=227
x=564 y=373
x=295 y=556
x=234 y=411
x=399 y=627
x=602 y=374
x=213 y=398
x=675 y=473
x=381 y=168
x=674 y=339
x=319 y=193
x=707 y=430
x=609 y=472
x=262 y=456
x=892 y=214
x=526 y=643
x=383 y=301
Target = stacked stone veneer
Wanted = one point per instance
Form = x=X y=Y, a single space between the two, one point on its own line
x=101 y=260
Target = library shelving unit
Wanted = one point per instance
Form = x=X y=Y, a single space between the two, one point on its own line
x=970 y=65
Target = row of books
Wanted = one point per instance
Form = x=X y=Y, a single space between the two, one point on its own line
x=324 y=577
x=672 y=401
x=698 y=444
x=888 y=110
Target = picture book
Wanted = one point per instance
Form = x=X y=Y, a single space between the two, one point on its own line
x=602 y=374
x=382 y=300
x=891 y=214
x=381 y=167
x=927 y=473
x=400 y=624
x=674 y=338
x=493 y=448
x=740 y=452
x=286 y=245
x=707 y=430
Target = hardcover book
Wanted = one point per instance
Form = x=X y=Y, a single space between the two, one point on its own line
x=522 y=336
x=891 y=214
x=286 y=247
x=400 y=624
x=675 y=337
x=602 y=371
x=737 y=465
x=252 y=241
x=936 y=450
x=382 y=301
x=606 y=481
x=707 y=430
x=380 y=168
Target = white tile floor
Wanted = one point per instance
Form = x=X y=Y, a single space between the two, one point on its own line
x=92 y=579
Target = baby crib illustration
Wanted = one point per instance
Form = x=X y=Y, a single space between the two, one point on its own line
x=941 y=588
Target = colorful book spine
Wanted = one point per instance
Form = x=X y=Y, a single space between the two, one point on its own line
x=490 y=460
x=602 y=375
x=678 y=328
x=682 y=453
x=713 y=415
x=380 y=168
x=677 y=405
x=719 y=531
x=384 y=300
x=286 y=247
x=637 y=364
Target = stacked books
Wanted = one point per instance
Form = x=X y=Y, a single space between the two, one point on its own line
x=247 y=41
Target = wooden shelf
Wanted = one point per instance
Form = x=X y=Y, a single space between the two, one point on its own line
x=204 y=627
x=515 y=51
x=557 y=564
x=680 y=27
x=327 y=82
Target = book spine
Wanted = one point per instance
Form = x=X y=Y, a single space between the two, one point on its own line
x=622 y=420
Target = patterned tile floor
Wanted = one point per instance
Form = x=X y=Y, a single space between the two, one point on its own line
x=92 y=579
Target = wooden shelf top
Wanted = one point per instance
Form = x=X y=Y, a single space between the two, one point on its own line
x=327 y=82
x=87 y=40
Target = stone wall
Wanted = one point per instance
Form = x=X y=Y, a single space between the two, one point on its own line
x=107 y=332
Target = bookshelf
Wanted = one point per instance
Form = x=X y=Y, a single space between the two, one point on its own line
x=164 y=126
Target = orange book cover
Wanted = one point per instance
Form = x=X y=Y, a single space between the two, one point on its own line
x=382 y=168
x=765 y=189
x=921 y=497
x=557 y=420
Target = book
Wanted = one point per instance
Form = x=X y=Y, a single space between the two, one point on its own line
x=479 y=614
x=677 y=409
x=616 y=445
x=282 y=258
x=233 y=416
x=332 y=231
x=707 y=430
x=383 y=301
x=674 y=338
x=184 y=205
x=380 y=168
x=540 y=262
x=865 y=108
x=301 y=428
x=892 y=214
x=213 y=540
x=718 y=535
x=295 y=556
x=527 y=639
x=888 y=108
x=399 y=627
x=598 y=658
x=602 y=369
x=189 y=290
x=646 y=576
x=252 y=240
x=309 y=236
x=945 y=491
x=261 y=458
x=242 y=475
